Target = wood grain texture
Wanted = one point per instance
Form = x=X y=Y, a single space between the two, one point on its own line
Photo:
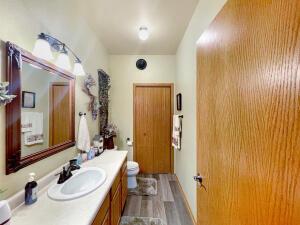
x=103 y=212
x=153 y=110
x=115 y=207
x=59 y=113
x=248 y=115
x=106 y=220
x=124 y=188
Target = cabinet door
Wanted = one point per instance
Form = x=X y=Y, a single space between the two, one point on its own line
x=106 y=220
x=124 y=189
x=115 y=209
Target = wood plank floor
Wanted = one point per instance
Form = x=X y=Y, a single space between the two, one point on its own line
x=168 y=204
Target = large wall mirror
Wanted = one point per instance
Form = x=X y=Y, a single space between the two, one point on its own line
x=40 y=120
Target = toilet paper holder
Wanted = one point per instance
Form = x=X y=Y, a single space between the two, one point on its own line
x=129 y=142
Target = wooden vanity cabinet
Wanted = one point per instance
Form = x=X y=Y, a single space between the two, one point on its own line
x=124 y=186
x=115 y=208
x=113 y=205
x=103 y=213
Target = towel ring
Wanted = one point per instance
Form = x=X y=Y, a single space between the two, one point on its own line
x=82 y=114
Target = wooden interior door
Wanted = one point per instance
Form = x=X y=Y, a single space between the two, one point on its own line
x=248 y=115
x=59 y=113
x=153 y=111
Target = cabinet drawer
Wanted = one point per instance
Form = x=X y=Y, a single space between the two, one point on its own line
x=101 y=215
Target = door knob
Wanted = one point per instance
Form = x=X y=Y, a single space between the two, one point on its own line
x=199 y=180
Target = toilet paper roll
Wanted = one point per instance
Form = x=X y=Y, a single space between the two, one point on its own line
x=5 y=212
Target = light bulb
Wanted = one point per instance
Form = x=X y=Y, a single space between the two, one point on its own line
x=143 y=33
x=63 y=61
x=42 y=49
x=78 y=69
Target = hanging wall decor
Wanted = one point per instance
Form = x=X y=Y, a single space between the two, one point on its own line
x=89 y=82
x=5 y=98
x=104 y=86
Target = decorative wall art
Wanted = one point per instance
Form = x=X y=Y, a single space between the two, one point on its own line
x=104 y=86
x=28 y=99
x=94 y=106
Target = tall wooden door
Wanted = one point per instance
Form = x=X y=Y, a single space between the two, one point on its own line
x=59 y=113
x=153 y=109
x=248 y=115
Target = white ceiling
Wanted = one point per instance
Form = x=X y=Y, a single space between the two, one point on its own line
x=116 y=22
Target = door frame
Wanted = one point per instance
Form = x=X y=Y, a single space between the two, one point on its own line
x=171 y=86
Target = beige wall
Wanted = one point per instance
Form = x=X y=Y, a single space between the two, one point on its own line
x=185 y=160
x=123 y=72
x=20 y=23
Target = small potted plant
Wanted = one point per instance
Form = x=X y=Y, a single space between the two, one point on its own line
x=110 y=131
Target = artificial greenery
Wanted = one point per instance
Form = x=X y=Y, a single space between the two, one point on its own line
x=4 y=97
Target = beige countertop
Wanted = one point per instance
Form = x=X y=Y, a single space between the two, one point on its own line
x=79 y=211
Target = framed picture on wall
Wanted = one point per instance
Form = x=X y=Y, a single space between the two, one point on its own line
x=28 y=99
x=179 y=101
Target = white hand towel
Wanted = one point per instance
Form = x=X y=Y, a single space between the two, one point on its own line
x=176 y=135
x=26 y=124
x=83 y=139
x=36 y=135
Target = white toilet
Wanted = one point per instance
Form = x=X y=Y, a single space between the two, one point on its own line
x=132 y=170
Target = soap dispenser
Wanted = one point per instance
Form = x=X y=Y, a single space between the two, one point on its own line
x=31 y=190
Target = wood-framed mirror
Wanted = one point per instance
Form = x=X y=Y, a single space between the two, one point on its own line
x=40 y=121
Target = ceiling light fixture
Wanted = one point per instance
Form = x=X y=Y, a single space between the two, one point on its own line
x=42 y=49
x=143 y=33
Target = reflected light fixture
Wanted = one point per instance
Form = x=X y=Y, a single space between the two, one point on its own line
x=42 y=49
x=78 y=68
x=143 y=33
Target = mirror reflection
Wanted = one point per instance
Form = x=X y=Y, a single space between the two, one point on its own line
x=44 y=97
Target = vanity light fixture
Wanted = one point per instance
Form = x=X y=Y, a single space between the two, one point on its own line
x=143 y=33
x=63 y=60
x=78 y=68
x=42 y=49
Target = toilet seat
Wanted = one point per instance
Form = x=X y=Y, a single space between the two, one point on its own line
x=132 y=165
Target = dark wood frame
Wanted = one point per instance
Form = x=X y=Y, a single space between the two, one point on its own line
x=15 y=57
x=171 y=86
x=23 y=97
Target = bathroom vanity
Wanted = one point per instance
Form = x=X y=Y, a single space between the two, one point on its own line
x=100 y=207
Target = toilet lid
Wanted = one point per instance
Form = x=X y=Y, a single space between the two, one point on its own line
x=132 y=165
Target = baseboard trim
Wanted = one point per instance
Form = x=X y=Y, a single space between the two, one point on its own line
x=185 y=201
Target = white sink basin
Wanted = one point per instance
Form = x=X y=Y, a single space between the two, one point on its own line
x=80 y=184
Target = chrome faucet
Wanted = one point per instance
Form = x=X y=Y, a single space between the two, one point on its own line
x=67 y=173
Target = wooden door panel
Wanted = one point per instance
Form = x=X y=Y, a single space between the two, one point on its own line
x=59 y=113
x=162 y=122
x=152 y=127
x=248 y=115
